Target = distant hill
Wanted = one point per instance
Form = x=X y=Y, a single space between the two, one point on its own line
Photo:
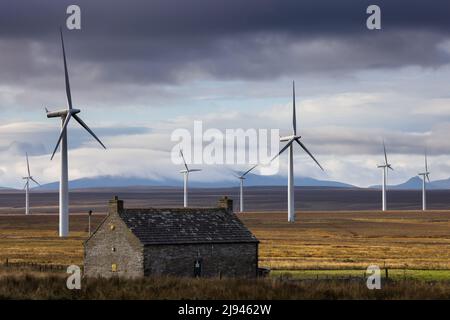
x=252 y=180
x=415 y=183
x=7 y=189
x=258 y=180
x=441 y=184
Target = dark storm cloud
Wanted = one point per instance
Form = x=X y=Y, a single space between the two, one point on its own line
x=170 y=41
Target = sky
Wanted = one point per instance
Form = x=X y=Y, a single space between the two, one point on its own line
x=141 y=69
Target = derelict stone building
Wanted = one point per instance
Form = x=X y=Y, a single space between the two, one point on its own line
x=175 y=241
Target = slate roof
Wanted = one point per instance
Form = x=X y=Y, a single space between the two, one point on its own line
x=186 y=226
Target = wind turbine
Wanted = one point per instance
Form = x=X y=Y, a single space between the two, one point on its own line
x=186 y=178
x=28 y=178
x=425 y=176
x=384 y=166
x=66 y=115
x=242 y=178
x=290 y=140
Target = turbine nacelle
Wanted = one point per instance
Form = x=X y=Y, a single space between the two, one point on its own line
x=288 y=138
x=187 y=170
x=241 y=176
x=190 y=170
x=425 y=175
x=29 y=177
x=386 y=163
x=61 y=113
x=294 y=137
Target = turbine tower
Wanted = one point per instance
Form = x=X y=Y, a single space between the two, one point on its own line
x=384 y=167
x=425 y=176
x=290 y=140
x=241 y=177
x=186 y=178
x=66 y=115
x=28 y=178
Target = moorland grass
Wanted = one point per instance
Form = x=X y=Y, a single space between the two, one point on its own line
x=52 y=286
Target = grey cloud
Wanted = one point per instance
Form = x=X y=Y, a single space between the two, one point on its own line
x=173 y=41
x=20 y=148
x=354 y=141
x=41 y=141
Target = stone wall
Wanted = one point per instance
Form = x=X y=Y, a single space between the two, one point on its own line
x=113 y=244
x=226 y=260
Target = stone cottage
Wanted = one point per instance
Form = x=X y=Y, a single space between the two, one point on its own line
x=201 y=242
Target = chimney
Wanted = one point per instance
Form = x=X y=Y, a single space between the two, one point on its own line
x=226 y=203
x=115 y=205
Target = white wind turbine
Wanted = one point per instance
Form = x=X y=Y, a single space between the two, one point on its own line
x=186 y=178
x=425 y=176
x=241 y=177
x=384 y=166
x=66 y=115
x=290 y=140
x=28 y=178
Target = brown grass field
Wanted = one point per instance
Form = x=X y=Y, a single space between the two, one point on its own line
x=346 y=240
x=317 y=240
x=328 y=246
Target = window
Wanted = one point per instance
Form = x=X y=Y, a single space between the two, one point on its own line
x=114 y=267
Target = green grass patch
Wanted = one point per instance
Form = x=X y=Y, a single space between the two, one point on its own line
x=394 y=274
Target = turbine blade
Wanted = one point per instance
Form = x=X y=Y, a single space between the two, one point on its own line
x=184 y=161
x=35 y=181
x=25 y=186
x=426 y=162
x=282 y=150
x=66 y=73
x=385 y=154
x=84 y=125
x=309 y=153
x=245 y=173
x=28 y=164
x=294 y=116
x=233 y=172
x=63 y=130
x=428 y=177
